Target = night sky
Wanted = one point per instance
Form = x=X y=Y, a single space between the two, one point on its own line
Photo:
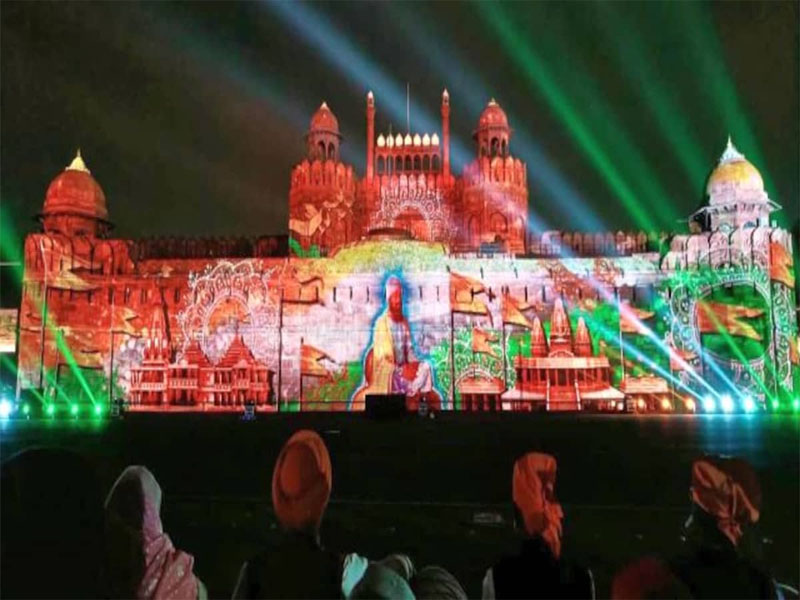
x=191 y=115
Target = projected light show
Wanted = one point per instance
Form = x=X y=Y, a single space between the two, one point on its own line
x=360 y=299
x=417 y=281
x=415 y=257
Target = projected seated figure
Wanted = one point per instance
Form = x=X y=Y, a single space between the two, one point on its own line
x=391 y=366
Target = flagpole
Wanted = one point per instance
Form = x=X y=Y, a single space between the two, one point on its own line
x=408 y=107
x=474 y=363
x=301 y=374
x=280 y=348
x=505 y=358
x=111 y=349
x=621 y=347
x=452 y=361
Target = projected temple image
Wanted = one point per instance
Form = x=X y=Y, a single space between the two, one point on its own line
x=417 y=281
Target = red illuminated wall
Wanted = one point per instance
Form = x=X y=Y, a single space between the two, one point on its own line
x=409 y=186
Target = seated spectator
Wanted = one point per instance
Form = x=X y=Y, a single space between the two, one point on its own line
x=434 y=583
x=537 y=571
x=141 y=561
x=647 y=578
x=298 y=567
x=52 y=526
x=383 y=581
x=726 y=500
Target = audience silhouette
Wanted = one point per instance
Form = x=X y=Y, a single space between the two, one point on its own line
x=52 y=515
x=141 y=561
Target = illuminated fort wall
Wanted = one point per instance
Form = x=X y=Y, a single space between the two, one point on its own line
x=432 y=295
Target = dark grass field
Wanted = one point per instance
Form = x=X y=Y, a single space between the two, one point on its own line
x=416 y=485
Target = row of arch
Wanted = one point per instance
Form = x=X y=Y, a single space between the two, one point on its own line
x=57 y=253
x=231 y=247
x=749 y=244
x=324 y=151
x=327 y=172
x=432 y=181
x=589 y=244
x=497 y=169
x=495 y=147
x=387 y=165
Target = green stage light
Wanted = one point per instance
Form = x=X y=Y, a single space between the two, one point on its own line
x=50 y=410
x=26 y=409
x=98 y=410
x=796 y=404
x=775 y=405
x=73 y=409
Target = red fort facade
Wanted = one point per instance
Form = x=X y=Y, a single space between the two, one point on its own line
x=412 y=280
x=409 y=186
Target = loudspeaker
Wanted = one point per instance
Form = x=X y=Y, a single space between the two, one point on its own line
x=385 y=406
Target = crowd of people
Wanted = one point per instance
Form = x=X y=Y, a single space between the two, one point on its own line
x=119 y=549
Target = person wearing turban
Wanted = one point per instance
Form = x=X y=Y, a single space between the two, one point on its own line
x=726 y=501
x=298 y=566
x=537 y=571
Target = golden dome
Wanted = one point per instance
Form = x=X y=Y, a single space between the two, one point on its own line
x=75 y=191
x=734 y=172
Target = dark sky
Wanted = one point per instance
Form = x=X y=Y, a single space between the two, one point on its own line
x=190 y=115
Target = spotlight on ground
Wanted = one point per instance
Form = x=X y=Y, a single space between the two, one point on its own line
x=748 y=404
x=726 y=403
x=5 y=409
x=709 y=405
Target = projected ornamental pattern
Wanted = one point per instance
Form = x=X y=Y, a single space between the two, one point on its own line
x=416 y=282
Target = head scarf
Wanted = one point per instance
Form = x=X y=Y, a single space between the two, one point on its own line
x=380 y=581
x=301 y=482
x=728 y=490
x=532 y=489
x=436 y=583
x=142 y=562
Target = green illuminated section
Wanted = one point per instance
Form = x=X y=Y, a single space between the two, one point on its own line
x=700 y=34
x=585 y=89
x=540 y=77
x=633 y=58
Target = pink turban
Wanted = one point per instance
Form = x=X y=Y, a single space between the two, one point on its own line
x=532 y=490
x=301 y=481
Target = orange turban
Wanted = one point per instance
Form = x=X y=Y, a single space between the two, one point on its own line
x=532 y=489
x=728 y=490
x=301 y=481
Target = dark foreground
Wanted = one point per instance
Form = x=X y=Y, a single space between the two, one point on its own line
x=417 y=486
